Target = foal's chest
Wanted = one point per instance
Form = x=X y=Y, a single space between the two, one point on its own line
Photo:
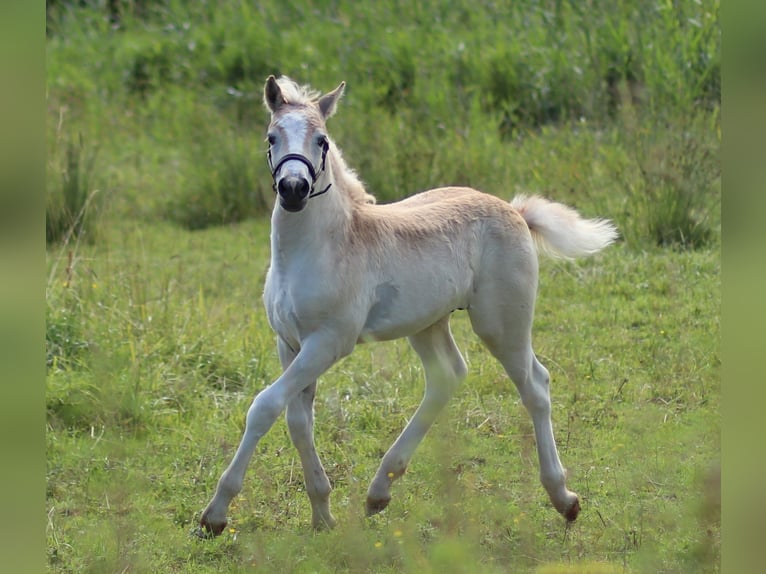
x=297 y=297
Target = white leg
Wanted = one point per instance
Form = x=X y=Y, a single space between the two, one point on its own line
x=444 y=369
x=300 y=423
x=507 y=335
x=318 y=353
x=533 y=382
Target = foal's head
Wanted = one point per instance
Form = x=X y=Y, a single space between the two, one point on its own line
x=297 y=137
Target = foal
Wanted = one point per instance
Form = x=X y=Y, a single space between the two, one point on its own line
x=345 y=270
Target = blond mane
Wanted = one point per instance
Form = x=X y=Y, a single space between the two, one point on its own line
x=346 y=178
x=296 y=94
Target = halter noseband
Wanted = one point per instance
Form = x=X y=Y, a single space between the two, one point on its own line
x=305 y=161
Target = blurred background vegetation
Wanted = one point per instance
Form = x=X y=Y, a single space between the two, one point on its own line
x=155 y=107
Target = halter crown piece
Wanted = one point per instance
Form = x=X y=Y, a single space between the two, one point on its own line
x=305 y=161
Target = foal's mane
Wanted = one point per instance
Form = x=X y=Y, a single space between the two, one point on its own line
x=295 y=94
x=345 y=177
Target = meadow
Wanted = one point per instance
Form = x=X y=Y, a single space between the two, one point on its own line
x=158 y=197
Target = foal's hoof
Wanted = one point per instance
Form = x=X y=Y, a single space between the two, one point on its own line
x=202 y=533
x=376 y=505
x=207 y=530
x=573 y=511
x=323 y=523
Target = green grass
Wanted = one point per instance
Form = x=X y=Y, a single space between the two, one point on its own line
x=171 y=97
x=156 y=340
x=170 y=344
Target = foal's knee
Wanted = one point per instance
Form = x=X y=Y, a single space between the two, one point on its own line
x=536 y=401
x=264 y=410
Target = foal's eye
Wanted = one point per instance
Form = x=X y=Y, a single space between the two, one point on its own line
x=271 y=139
x=322 y=141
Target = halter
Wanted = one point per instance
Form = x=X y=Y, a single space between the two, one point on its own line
x=305 y=161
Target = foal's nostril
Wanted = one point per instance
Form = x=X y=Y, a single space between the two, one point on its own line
x=293 y=188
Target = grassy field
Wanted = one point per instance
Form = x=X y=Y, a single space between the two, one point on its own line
x=158 y=195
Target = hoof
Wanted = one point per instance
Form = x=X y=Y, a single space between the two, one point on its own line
x=202 y=533
x=374 y=506
x=324 y=524
x=206 y=530
x=573 y=511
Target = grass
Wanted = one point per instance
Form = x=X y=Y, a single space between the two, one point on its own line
x=156 y=340
x=170 y=345
x=71 y=201
x=174 y=82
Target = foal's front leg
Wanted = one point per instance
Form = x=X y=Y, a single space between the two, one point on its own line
x=318 y=353
x=300 y=423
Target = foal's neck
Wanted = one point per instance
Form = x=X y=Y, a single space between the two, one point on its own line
x=319 y=225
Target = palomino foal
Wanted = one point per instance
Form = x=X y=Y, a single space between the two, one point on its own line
x=344 y=270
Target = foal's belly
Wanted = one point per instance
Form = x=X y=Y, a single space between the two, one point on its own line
x=401 y=310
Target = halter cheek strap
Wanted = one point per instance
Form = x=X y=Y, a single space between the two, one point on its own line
x=305 y=161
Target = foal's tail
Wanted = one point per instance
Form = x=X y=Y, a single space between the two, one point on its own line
x=559 y=230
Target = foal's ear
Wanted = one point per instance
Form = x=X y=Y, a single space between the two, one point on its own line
x=329 y=101
x=272 y=94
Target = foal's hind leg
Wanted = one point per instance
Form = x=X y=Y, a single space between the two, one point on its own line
x=444 y=369
x=506 y=330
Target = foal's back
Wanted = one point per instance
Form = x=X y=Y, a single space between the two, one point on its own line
x=443 y=214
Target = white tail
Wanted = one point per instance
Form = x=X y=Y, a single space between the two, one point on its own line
x=559 y=230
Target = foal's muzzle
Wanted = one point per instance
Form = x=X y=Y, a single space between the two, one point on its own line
x=293 y=193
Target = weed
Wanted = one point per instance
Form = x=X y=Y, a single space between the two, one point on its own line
x=64 y=341
x=71 y=207
x=674 y=185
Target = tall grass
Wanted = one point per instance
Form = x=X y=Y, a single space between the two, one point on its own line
x=72 y=205
x=437 y=95
x=226 y=181
x=675 y=186
x=158 y=344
